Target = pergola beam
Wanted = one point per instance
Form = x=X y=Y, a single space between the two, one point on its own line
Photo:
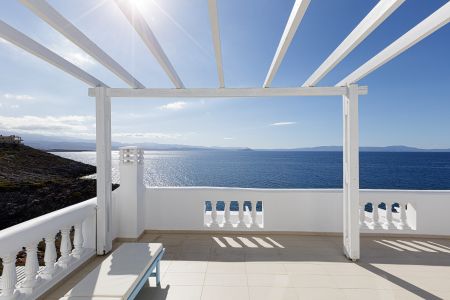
x=228 y=92
x=47 y=13
x=374 y=18
x=297 y=13
x=143 y=29
x=431 y=24
x=214 y=18
x=21 y=40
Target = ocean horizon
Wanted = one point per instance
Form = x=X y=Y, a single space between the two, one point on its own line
x=285 y=169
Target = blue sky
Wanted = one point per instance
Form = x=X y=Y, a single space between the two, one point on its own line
x=408 y=101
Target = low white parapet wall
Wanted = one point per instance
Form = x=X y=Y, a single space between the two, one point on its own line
x=32 y=280
x=296 y=210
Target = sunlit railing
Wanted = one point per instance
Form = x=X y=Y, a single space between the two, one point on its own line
x=72 y=228
x=234 y=214
x=296 y=210
x=387 y=215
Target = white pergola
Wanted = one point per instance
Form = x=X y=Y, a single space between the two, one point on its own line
x=347 y=87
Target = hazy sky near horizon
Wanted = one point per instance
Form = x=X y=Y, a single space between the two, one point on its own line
x=408 y=101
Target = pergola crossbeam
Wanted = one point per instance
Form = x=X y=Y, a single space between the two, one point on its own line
x=143 y=29
x=297 y=13
x=47 y=13
x=228 y=92
x=429 y=25
x=214 y=18
x=21 y=40
x=374 y=18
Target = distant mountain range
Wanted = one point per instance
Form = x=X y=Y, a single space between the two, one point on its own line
x=70 y=144
x=399 y=148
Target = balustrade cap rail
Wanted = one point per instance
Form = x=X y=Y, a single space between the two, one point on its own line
x=299 y=190
x=15 y=237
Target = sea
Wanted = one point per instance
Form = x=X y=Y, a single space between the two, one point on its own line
x=285 y=169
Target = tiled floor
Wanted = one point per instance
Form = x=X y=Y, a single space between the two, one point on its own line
x=205 y=266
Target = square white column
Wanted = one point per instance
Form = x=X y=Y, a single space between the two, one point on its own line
x=351 y=173
x=104 y=182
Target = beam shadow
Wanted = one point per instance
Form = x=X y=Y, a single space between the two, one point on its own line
x=398 y=281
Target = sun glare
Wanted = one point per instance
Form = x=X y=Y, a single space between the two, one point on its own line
x=140 y=4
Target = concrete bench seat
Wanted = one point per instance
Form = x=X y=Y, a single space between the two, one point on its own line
x=122 y=274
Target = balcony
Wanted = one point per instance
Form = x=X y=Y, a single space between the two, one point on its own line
x=291 y=266
x=242 y=243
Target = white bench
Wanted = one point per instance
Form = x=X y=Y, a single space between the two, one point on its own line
x=122 y=274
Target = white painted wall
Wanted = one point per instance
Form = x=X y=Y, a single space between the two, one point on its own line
x=304 y=210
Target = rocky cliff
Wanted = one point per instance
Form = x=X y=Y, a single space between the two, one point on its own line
x=34 y=182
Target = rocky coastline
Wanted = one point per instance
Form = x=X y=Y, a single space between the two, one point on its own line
x=35 y=182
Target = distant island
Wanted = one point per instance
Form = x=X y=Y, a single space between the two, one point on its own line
x=399 y=148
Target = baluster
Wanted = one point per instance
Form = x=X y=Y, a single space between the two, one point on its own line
x=31 y=268
x=362 y=215
x=389 y=224
x=227 y=218
x=66 y=247
x=78 y=241
x=49 y=257
x=375 y=216
x=213 y=212
x=241 y=213
x=9 y=276
x=254 y=214
x=402 y=210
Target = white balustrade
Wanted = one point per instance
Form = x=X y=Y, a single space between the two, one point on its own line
x=49 y=257
x=31 y=268
x=388 y=224
x=78 y=241
x=241 y=219
x=227 y=216
x=402 y=219
x=214 y=212
x=387 y=220
x=65 y=248
x=376 y=215
x=313 y=210
x=241 y=213
x=9 y=276
x=37 y=280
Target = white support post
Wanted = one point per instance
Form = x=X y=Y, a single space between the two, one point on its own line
x=103 y=140
x=351 y=173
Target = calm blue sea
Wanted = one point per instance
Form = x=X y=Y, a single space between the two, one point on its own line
x=284 y=169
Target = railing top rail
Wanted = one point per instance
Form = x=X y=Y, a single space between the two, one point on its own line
x=264 y=190
x=269 y=190
x=15 y=237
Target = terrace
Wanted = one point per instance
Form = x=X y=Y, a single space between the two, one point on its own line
x=230 y=242
x=292 y=266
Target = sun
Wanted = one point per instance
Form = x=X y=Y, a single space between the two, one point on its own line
x=139 y=4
